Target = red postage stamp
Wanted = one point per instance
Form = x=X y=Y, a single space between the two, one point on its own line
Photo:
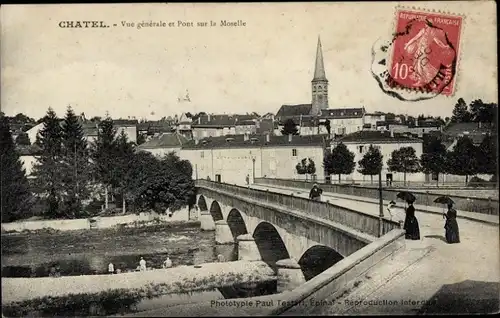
x=425 y=52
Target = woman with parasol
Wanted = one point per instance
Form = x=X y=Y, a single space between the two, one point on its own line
x=452 y=233
x=411 y=223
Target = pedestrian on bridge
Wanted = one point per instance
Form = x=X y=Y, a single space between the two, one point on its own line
x=315 y=193
x=411 y=223
x=451 y=226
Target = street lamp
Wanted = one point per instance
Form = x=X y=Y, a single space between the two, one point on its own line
x=380 y=205
x=253 y=170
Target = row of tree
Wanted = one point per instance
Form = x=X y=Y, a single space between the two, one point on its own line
x=68 y=172
x=477 y=111
x=464 y=159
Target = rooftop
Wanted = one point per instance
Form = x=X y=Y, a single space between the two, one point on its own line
x=377 y=136
x=253 y=141
x=337 y=113
x=221 y=121
x=166 y=140
x=294 y=110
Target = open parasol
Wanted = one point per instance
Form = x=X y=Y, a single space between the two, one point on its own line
x=406 y=196
x=444 y=200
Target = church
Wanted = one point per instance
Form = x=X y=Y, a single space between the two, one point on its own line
x=310 y=118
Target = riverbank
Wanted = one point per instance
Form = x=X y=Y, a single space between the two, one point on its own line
x=183 y=215
x=20 y=296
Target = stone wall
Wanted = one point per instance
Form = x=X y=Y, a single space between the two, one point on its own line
x=464 y=203
x=100 y=222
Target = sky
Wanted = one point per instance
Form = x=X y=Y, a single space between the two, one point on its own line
x=128 y=71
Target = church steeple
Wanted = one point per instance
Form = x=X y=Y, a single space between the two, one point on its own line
x=319 y=84
x=319 y=71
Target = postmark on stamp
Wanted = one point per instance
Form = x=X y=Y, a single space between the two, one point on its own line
x=421 y=60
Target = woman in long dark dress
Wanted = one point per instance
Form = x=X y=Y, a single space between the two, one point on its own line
x=411 y=223
x=451 y=226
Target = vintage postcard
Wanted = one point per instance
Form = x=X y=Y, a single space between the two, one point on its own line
x=255 y=159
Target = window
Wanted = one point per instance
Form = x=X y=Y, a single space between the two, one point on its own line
x=294 y=152
x=202 y=154
x=360 y=149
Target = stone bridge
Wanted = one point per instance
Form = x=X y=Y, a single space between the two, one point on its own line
x=285 y=231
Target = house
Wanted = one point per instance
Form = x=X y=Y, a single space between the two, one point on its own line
x=183 y=126
x=344 y=121
x=210 y=125
x=27 y=155
x=163 y=144
x=359 y=143
x=231 y=158
x=90 y=129
x=371 y=119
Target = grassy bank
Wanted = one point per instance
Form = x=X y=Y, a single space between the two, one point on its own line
x=121 y=300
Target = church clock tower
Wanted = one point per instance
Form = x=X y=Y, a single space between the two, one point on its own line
x=319 y=84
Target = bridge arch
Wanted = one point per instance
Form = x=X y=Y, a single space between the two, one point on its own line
x=317 y=259
x=202 y=203
x=236 y=223
x=216 y=211
x=270 y=244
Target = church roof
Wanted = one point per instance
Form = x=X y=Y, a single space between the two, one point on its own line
x=293 y=110
x=319 y=70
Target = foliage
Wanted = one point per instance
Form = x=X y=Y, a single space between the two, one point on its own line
x=404 y=160
x=160 y=184
x=462 y=160
x=141 y=138
x=75 y=166
x=15 y=197
x=339 y=161
x=433 y=160
x=289 y=128
x=487 y=155
x=461 y=113
x=483 y=112
x=371 y=163
x=306 y=166
x=47 y=169
x=102 y=152
x=23 y=139
x=123 y=153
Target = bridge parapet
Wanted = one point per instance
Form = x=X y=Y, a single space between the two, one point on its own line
x=360 y=221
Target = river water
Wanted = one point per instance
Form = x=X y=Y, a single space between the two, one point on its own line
x=90 y=251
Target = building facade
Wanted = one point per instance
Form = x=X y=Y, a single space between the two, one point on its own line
x=231 y=159
x=359 y=143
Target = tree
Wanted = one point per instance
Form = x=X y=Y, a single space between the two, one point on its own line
x=301 y=167
x=487 y=156
x=311 y=167
x=124 y=152
x=482 y=112
x=102 y=154
x=47 y=168
x=15 y=197
x=411 y=121
x=371 y=163
x=161 y=184
x=306 y=166
x=23 y=139
x=404 y=160
x=433 y=160
x=461 y=113
x=339 y=161
x=462 y=160
x=75 y=165
x=140 y=138
x=289 y=128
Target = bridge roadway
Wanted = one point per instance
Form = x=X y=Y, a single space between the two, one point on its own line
x=476 y=258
